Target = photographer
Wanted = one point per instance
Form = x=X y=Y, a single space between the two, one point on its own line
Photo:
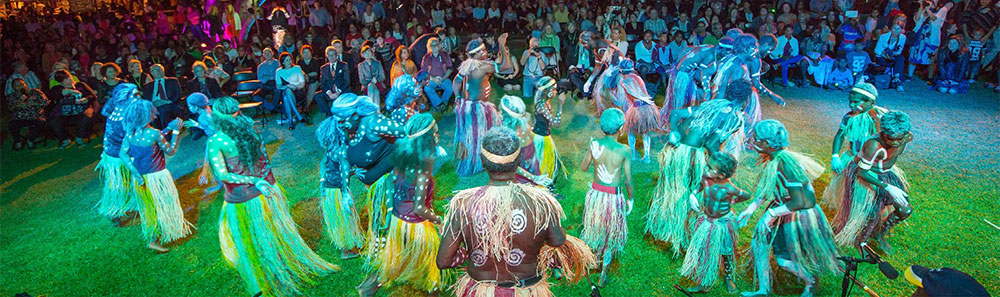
x=534 y=68
x=888 y=50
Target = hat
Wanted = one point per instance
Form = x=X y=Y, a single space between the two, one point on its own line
x=944 y=282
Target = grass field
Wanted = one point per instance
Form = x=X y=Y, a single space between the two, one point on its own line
x=53 y=243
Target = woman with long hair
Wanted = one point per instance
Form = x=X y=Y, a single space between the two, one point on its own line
x=403 y=245
x=546 y=118
x=143 y=151
x=256 y=231
x=402 y=65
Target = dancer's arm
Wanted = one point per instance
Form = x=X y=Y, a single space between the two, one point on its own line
x=449 y=253
x=420 y=196
x=127 y=159
x=504 y=64
x=629 y=189
x=754 y=68
x=218 y=161
x=588 y=158
x=838 y=140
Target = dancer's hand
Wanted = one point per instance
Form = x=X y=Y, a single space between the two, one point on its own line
x=264 y=187
x=744 y=216
x=778 y=100
x=628 y=206
x=898 y=195
x=586 y=86
x=190 y=123
x=441 y=152
x=836 y=164
x=139 y=180
x=502 y=39
x=360 y=172
x=674 y=138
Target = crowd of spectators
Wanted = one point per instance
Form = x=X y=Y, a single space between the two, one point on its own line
x=59 y=67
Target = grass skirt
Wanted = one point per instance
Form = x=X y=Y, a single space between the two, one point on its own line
x=809 y=242
x=265 y=249
x=711 y=239
x=399 y=251
x=472 y=119
x=468 y=287
x=116 y=199
x=546 y=156
x=681 y=93
x=528 y=159
x=862 y=207
x=604 y=226
x=160 y=208
x=604 y=93
x=681 y=171
x=641 y=119
x=340 y=219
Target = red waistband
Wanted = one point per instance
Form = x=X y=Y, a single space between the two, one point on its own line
x=605 y=189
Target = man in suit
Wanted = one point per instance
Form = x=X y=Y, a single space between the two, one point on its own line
x=165 y=93
x=334 y=80
x=200 y=83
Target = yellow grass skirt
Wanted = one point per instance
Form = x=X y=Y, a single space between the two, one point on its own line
x=406 y=253
x=340 y=219
x=116 y=199
x=267 y=251
x=160 y=208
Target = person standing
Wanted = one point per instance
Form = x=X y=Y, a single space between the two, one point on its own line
x=257 y=234
x=604 y=227
x=143 y=151
x=475 y=114
x=510 y=231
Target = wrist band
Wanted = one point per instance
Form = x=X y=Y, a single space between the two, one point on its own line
x=770 y=212
x=834 y=156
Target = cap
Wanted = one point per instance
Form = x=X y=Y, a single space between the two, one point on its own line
x=944 y=282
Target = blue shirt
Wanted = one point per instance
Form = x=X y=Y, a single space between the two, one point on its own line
x=266 y=70
x=587 y=25
x=478 y=13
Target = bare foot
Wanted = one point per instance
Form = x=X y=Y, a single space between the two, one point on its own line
x=128 y=217
x=349 y=254
x=159 y=249
x=369 y=287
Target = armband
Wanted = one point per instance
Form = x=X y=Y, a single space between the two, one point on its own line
x=864 y=164
x=835 y=156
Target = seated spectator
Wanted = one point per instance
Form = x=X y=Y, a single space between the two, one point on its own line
x=201 y=83
x=851 y=32
x=26 y=106
x=333 y=80
x=859 y=61
x=310 y=67
x=952 y=63
x=403 y=64
x=165 y=93
x=213 y=71
x=549 y=44
x=841 y=77
x=661 y=56
x=265 y=71
x=438 y=67
x=289 y=80
x=889 y=53
x=73 y=102
x=644 y=53
x=581 y=69
x=371 y=75
x=787 y=55
x=135 y=75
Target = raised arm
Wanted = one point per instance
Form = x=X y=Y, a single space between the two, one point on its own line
x=504 y=63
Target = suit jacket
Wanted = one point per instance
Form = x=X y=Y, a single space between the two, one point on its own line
x=171 y=88
x=212 y=86
x=341 y=79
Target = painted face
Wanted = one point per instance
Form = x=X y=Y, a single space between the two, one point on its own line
x=761 y=146
x=860 y=103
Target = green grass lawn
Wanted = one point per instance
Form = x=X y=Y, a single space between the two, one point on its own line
x=53 y=243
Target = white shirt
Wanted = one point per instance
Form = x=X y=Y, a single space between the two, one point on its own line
x=883 y=44
x=643 y=54
x=293 y=76
x=780 y=48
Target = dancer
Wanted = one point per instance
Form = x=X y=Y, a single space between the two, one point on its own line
x=372 y=135
x=515 y=117
x=546 y=118
x=858 y=125
x=604 y=226
x=873 y=193
x=511 y=232
x=116 y=200
x=793 y=226
x=256 y=231
x=401 y=102
x=475 y=114
x=403 y=231
x=745 y=63
x=713 y=236
x=694 y=132
x=156 y=198
x=641 y=115
x=340 y=218
x=607 y=57
x=695 y=67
